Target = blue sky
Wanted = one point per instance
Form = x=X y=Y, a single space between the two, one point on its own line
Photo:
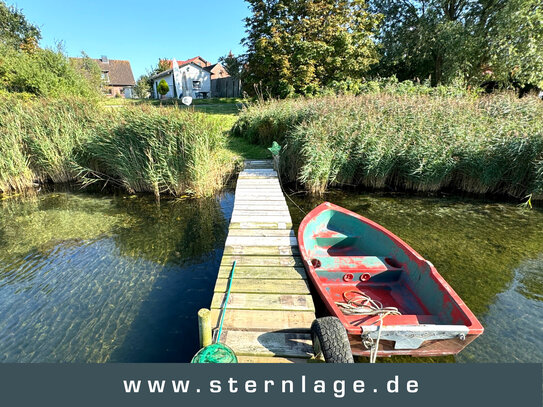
x=132 y=29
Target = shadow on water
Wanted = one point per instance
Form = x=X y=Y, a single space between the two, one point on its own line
x=491 y=253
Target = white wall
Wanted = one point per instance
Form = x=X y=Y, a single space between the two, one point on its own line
x=193 y=73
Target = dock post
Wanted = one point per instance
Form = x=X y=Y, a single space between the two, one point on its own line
x=204 y=327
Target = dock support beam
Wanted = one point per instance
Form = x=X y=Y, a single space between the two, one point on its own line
x=204 y=327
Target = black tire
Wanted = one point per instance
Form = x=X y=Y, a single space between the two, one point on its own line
x=330 y=338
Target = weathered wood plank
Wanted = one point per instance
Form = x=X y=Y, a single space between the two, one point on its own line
x=271 y=359
x=260 y=218
x=261 y=225
x=249 y=212
x=261 y=232
x=263 y=261
x=261 y=241
x=263 y=286
x=262 y=250
x=262 y=206
x=282 y=344
x=270 y=273
x=284 y=302
x=258 y=320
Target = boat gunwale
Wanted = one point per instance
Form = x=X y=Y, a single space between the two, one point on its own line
x=474 y=326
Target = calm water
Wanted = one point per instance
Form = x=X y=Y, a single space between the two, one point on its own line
x=491 y=253
x=90 y=278
x=93 y=278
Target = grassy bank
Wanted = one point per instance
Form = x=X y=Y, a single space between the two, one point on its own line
x=141 y=148
x=412 y=141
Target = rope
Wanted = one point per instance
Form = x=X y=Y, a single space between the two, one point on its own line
x=276 y=161
x=226 y=301
x=362 y=304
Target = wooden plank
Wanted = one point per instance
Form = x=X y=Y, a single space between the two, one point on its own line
x=249 y=212
x=261 y=232
x=258 y=183
x=261 y=225
x=263 y=198
x=261 y=205
x=270 y=273
x=263 y=261
x=261 y=218
x=262 y=286
x=284 y=302
x=262 y=250
x=282 y=344
x=252 y=320
x=269 y=359
x=261 y=241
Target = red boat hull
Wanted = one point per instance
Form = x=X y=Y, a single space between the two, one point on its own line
x=345 y=254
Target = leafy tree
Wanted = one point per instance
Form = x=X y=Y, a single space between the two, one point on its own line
x=468 y=40
x=162 y=87
x=232 y=64
x=142 y=89
x=15 y=31
x=300 y=46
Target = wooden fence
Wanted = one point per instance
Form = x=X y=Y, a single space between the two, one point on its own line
x=226 y=88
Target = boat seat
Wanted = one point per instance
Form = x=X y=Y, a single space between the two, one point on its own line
x=327 y=238
x=349 y=264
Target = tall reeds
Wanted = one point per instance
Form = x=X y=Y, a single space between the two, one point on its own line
x=486 y=144
x=163 y=151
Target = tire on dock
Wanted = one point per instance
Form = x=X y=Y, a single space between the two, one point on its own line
x=330 y=339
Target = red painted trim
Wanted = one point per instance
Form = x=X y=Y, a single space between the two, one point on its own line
x=475 y=327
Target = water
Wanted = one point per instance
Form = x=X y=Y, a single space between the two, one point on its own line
x=491 y=253
x=93 y=278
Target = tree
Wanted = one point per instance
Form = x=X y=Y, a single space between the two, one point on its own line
x=232 y=64
x=469 y=40
x=142 y=90
x=300 y=46
x=162 y=87
x=15 y=31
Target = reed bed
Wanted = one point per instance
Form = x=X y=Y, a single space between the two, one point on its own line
x=142 y=149
x=419 y=142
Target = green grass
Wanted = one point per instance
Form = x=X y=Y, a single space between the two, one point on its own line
x=420 y=142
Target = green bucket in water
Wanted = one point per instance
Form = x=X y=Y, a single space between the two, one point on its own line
x=215 y=353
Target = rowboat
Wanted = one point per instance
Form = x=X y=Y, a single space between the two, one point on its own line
x=382 y=297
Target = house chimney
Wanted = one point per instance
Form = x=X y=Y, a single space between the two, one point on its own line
x=104 y=59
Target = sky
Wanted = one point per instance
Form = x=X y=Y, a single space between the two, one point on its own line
x=140 y=31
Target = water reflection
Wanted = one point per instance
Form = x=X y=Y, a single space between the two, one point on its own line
x=90 y=278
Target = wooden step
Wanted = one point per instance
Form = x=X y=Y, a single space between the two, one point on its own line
x=258 y=320
x=261 y=232
x=261 y=225
x=262 y=250
x=278 y=302
x=281 y=344
x=263 y=261
x=263 y=286
x=268 y=359
x=270 y=273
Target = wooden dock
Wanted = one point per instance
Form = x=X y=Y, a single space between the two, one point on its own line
x=270 y=309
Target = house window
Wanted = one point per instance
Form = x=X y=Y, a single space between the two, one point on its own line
x=105 y=77
x=196 y=84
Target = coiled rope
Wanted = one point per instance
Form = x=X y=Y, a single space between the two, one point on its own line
x=362 y=304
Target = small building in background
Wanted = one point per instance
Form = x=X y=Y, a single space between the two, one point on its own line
x=117 y=76
x=217 y=71
x=195 y=81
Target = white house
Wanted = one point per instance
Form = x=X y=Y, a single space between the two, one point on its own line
x=184 y=79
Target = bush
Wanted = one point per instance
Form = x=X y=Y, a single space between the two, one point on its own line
x=405 y=138
x=162 y=87
x=47 y=73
